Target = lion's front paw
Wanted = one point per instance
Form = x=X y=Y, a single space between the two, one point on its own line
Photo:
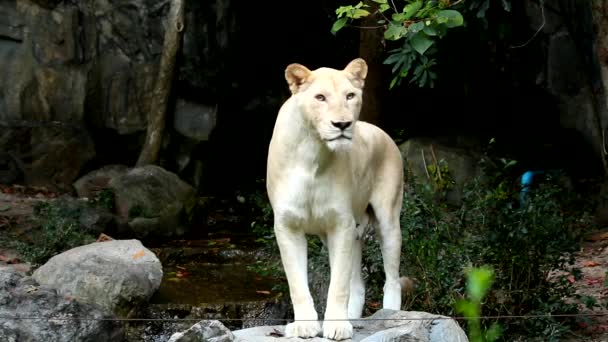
x=337 y=330
x=304 y=329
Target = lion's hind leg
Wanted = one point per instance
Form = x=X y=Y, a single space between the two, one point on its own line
x=389 y=232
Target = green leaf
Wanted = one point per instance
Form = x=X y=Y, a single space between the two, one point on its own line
x=384 y=7
x=394 y=58
x=360 y=13
x=421 y=42
x=396 y=80
x=430 y=30
x=466 y=308
x=451 y=18
x=380 y=1
x=340 y=11
x=416 y=27
x=394 y=32
x=398 y=17
x=494 y=332
x=411 y=9
x=480 y=280
x=338 y=25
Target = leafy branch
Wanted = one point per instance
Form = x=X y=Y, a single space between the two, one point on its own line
x=419 y=24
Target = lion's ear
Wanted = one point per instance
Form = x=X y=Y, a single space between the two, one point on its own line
x=296 y=75
x=357 y=71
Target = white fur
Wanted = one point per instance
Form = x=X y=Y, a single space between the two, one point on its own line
x=319 y=185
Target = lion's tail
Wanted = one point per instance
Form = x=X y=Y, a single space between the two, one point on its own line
x=407 y=284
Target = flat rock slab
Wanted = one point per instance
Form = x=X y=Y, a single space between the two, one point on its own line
x=384 y=325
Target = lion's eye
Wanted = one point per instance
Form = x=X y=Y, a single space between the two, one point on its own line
x=320 y=97
x=350 y=96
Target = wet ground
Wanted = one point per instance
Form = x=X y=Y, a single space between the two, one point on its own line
x=211 y=270
x=207 y=275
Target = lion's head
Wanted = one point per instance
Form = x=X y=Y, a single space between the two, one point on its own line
x=329 y=99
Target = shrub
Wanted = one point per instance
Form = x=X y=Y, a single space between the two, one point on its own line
x=56 y=228
x=530 y=247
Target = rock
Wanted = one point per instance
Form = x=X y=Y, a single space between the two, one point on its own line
x=204 y=331
x=384 y=325
x=153 y=201
x=97 y=220
x=50 y=155
x=195 y=121
x=113 y=275
x=93 y=182
x=10 y=169
x=22 y=296
x=461 y=163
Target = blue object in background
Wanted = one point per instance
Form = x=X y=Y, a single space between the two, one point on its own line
x=527 y=179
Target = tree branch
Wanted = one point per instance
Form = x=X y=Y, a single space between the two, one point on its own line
x=162 y=89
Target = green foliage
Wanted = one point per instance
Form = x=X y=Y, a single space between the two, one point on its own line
x=57 y=230
x=530 y=248
x=136 y=211
x=441 y=177
x=419 y=25
x=104 y=199
x=479 y=281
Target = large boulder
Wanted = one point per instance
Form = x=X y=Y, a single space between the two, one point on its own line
x=22 y=296
x=153 y=202
x=113 y=275
x=149 y=201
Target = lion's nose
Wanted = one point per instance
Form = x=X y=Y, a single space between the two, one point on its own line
x=341 y=124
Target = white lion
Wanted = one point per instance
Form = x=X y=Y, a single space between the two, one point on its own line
x=329 y=174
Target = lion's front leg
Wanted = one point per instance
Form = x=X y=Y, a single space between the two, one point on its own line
x=339 y=243
x=293 y=249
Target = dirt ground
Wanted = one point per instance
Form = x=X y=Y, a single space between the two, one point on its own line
x=16 y=207
x=592 y=260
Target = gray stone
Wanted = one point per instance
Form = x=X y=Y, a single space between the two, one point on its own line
x=93 y=182
x=153 y=201
x=50 y=155
x=22 y=296
x=195 y=121
x=204 y=331
x=113 y=275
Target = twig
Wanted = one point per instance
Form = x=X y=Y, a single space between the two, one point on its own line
x=394 y=7
x=425 y=167
x=542 y=12
x=436 y=163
